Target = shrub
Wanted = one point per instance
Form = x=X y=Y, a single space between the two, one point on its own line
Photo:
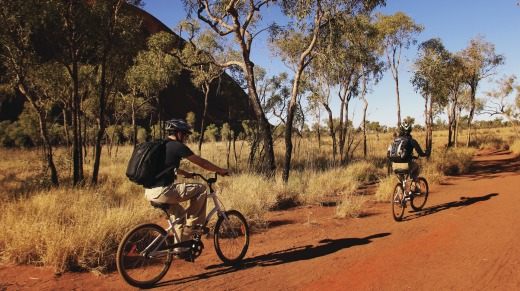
x=515 y=147
x=350 y=206
x=454 y=161
x=385 y=188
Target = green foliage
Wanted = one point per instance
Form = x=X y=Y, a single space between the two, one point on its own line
x=226 y=132
x=191 y=118
x=212 y=133
x=153 y=68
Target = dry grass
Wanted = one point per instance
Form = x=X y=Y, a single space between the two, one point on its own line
x=350 y=206
x=515 y=147
x=79 y=228
x=385 y=188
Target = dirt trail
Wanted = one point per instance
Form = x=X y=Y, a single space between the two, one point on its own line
x=466 y=238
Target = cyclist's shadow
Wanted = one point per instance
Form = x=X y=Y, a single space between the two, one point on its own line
x=463 y=202
x=308 y=252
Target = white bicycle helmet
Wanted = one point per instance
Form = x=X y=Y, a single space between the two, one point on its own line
x=406 y=127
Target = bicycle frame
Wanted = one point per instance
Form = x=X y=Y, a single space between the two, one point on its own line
x=170 y=231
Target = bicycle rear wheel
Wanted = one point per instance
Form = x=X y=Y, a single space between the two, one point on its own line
x=133 y=261
x=231 y=237
x=420 y=195
x=397 y=206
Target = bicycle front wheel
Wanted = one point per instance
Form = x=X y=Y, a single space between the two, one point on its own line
x=136 y=260
x=420 y=195
x=397 y=206
x=231 y=237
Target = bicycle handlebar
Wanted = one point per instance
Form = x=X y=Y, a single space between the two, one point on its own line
x=211 y=180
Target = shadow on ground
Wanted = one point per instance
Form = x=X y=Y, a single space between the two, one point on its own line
x=463 y=202
x=308 y=252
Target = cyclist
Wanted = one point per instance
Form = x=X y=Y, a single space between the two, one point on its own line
x=405 y=130
x=167 y=191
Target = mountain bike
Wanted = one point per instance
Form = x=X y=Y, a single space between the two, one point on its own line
x=407 y=190
x=146 y=252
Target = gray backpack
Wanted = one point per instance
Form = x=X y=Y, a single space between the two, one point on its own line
x=399 y=151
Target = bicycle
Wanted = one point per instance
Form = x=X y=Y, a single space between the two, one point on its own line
x=146 y=252
x=406 y=190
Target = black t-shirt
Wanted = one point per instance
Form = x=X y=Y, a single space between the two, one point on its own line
x=175 y=152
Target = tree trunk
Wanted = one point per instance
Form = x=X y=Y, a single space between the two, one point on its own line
x=204 y=113
x=363 y=90
x=265 y=127
x=288 y=139
x=473 y=92
x=397 y=98
x=332 y=131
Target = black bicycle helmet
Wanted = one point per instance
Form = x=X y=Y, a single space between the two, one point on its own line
x=406 y=127
x=176 y=125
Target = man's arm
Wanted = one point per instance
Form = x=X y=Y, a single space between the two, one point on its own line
x=207 y=165
x=417 y=148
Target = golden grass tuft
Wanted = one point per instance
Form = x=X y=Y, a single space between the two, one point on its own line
x=68 y=229
x=385 y=189
x=250 y=194
x=350 y=206
x=322 y=185
x=515 y=147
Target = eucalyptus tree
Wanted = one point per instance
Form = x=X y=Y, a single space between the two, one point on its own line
x=199 y=56
x=153 y=70
x=356 y=60
x=429 y=78
x=500 y=103
x=92 y=41
x=298 y=45
x=480 y=60
x=399 y=31
x=116 y=35
x=278 y=93
x=20 y=22
x=366 y=41
x=455 y=85
x=240 y=20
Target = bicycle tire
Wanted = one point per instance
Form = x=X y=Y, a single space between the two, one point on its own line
x=231 y=246
x=397 y=206
x=419 y=199
x=135 y=268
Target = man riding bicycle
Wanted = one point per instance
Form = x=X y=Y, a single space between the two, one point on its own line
x=405 y=131
x=167 y=191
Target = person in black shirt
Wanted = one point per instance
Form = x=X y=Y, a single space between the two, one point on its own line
x=167 y=191
x=405 y=130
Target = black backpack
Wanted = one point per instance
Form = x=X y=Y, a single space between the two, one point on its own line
x=399 y=151
x=143 y=167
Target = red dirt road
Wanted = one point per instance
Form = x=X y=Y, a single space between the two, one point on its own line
x=466 y=238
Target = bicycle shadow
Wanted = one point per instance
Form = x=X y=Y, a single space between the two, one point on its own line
x=308 y=252
x=463 y=202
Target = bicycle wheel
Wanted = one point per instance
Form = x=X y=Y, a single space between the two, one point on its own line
x=133 y=262
x=231 y=237
x=420 y=195
x=397 y=206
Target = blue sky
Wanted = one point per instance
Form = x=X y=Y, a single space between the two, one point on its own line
x=455 y=22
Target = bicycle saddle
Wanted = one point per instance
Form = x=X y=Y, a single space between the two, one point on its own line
x=163 y=206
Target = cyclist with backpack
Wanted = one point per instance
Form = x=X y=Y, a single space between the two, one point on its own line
x=165 y=190
x=401 y=151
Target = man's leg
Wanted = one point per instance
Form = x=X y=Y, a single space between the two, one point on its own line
x=198 y=201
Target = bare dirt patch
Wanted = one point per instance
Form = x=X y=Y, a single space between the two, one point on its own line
x=465 y=238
